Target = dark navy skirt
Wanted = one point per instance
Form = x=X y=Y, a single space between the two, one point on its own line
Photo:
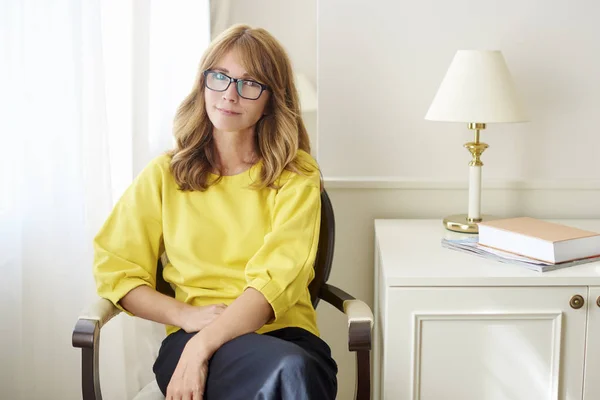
x=286 y=364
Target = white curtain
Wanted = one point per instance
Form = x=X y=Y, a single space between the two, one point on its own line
x=88 y=90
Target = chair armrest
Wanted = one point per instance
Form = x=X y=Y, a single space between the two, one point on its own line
x=360 y=317
x=86 y=336
x=360 y=325
x=101 y=310
x=93 y=319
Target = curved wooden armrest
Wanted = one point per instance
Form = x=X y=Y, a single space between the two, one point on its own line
x=360 y=325
x=360 y=316
x=86 y=336
x=101 y=310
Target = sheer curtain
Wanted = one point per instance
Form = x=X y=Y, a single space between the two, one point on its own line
x=88 y=90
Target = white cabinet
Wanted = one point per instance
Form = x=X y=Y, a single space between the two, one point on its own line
x=450 y=325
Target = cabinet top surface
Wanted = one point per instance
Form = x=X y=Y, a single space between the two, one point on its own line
x=411 y=254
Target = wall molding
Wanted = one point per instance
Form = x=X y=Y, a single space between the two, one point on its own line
x=384 y=182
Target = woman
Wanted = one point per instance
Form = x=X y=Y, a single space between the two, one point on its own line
x=236 y=207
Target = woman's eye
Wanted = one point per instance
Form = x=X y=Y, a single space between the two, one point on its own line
x=220 y=76
x=251 y=84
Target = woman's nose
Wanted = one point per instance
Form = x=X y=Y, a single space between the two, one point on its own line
x=231 y=93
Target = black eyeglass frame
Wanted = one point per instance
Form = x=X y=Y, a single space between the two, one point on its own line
x=237 y=86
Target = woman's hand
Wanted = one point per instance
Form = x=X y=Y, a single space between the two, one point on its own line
x=189 y=379
x=194 y=319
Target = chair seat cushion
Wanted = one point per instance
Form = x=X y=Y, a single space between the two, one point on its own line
x=150 y=392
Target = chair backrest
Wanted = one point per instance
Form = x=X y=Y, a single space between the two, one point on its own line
x=322 y=263
x=324 y=258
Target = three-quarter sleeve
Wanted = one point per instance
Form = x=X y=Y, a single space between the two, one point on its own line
x=127 y=247
x=283 y=266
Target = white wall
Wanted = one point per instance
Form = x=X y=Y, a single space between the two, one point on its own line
x=381 y=62
x=379 y=66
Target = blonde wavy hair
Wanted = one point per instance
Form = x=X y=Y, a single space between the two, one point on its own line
x=278 y=135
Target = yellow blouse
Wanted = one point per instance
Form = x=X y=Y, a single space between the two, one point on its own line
x=218 y=242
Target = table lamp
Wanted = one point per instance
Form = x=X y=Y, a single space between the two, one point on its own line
x=477 y=89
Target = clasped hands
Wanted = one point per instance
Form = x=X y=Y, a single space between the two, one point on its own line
x=189 y=378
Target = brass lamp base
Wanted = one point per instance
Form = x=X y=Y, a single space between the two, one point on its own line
x=460 y=223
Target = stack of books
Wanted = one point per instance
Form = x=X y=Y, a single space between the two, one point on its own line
x=535 y=244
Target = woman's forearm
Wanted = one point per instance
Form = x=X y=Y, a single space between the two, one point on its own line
x=246 y=314
x=147 y=303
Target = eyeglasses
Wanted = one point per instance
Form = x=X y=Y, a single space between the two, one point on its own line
x=246 y=88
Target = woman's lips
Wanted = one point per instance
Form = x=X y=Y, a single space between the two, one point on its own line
x=227 y=112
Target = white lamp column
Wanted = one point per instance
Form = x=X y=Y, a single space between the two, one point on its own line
x=476 y=148
x=474 y=193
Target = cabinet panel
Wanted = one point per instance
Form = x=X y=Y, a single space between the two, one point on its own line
x=592 y=361
x=523 y=343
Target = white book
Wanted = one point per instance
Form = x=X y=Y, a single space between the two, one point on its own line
x=541 y=240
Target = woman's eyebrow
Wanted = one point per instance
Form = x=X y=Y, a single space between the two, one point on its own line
x=225 y=70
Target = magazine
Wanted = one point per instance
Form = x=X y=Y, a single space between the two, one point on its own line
x=471 y=245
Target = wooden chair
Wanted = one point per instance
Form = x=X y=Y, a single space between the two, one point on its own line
x=86 y=334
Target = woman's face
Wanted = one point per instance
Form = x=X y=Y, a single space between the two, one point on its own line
x=227 y=110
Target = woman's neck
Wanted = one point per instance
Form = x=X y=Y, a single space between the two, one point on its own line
x=236 y=151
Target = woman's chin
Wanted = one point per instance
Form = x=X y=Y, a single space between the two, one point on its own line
x=229 y=126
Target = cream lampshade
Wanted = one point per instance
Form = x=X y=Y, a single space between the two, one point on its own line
x=477 y=89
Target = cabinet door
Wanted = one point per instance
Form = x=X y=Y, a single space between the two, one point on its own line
x=591 y=384
x=492 y=343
